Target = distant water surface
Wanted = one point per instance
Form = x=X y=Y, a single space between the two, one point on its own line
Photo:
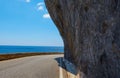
x=29 y=49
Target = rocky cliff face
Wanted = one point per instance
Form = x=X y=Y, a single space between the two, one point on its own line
x=91 y=33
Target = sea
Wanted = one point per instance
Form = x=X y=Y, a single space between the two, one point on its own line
x=29 y=49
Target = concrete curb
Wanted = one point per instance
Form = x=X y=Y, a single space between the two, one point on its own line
x=60 y=69
x=70 y=69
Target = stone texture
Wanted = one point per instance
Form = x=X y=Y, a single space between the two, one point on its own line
x=91 y=33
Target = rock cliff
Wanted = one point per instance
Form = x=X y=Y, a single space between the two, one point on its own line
x=91 y=33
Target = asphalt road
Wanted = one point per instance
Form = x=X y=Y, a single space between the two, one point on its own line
x=44 y=66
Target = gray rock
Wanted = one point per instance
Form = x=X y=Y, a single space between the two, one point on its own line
x=91 y=33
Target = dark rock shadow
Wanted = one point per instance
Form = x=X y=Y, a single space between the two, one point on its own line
x=69 y=67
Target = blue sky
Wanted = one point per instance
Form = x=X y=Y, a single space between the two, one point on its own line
x=27 y=22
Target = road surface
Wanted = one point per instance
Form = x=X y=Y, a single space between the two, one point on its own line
x=43 y=66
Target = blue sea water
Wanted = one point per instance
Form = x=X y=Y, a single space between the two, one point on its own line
x=29 y=49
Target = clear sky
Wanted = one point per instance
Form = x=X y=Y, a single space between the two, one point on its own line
x=27 y=22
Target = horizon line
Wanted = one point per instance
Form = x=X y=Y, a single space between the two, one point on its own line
x=35 y=45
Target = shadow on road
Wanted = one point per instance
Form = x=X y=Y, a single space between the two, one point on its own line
x=69 y=67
